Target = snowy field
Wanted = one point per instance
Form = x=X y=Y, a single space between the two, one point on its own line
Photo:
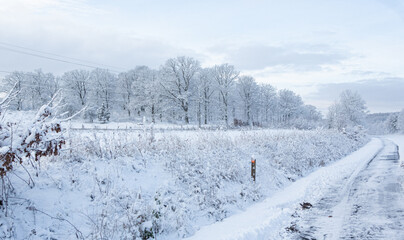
x=139 y=184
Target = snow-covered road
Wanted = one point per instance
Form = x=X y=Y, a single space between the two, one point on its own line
x=358 y=197
x=369 y=205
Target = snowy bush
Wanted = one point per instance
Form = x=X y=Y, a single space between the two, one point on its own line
x=21 y=147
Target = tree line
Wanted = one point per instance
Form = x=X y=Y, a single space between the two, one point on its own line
x=180 y=91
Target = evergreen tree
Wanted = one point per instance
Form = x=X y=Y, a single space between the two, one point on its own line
x=103 y=114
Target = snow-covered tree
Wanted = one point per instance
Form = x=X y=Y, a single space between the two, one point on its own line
x=103 y=114
x=225 y=76
x=353 y=107
x=18 y=81
x=124 y=88
x=333 y=116
x=77 y=85
x=391 y=123
x=104 y=84
x=205 y=89
x=179 y=76
x=43 y=86
x=290 y=106
x=349 y=111
x=400 y=121
x=147 y=91
x=268 y=103
x=309 y=118
x=248 y=91
x=76 y=88
x=181 y=89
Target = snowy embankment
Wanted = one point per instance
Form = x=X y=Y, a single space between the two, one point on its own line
x=399 y=140
x=126 y=185
x=266 y=219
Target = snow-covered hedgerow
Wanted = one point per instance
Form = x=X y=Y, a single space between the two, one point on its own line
x=140 y=185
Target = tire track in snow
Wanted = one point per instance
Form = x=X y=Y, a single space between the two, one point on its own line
x=368 y=206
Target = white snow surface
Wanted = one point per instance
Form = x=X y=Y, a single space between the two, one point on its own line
x=399 y=140
x=127 y=184
x=266 y=219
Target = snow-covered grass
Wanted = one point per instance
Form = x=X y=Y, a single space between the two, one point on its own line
x=138 y=184
x=136 y=126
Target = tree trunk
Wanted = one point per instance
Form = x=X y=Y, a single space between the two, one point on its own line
x=186 y=114
x=127 y=105
x=226 y=118
x=199 y=115
x=153 y=114
x=248 y=116
x=206 y=108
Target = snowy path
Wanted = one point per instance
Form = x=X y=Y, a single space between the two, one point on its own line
x=268 y=219
x=369 y=206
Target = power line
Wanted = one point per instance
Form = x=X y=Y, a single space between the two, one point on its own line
x=57 y=55
x=24 y=84
x=51 y=58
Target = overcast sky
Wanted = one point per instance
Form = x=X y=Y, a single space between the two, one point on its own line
x=315 y=48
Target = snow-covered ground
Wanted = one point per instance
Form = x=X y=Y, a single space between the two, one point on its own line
x=132 y=184
x=399 y=140
x=370 y=206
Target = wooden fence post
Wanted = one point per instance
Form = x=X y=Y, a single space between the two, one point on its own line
x=253 y=168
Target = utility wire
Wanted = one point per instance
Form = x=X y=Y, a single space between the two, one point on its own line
x=57 y=55
x=51 y=58
x=28 y=85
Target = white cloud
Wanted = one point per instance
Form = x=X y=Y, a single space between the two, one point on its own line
x=306 y=58
x=290 y=44
x=381 y=94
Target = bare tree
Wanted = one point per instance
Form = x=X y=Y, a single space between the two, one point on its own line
x=179 y=75
x=247 y=89
x=43 y=87
x=400 y=121
x=349 y=111
x=78 y=82
x=147 y=90
x=18 y=80
x=225 y=76
x=268 y=103
x=104 y=83
x=205 y=89
x=153 y=94
x=125 y=82
x=290 y=104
